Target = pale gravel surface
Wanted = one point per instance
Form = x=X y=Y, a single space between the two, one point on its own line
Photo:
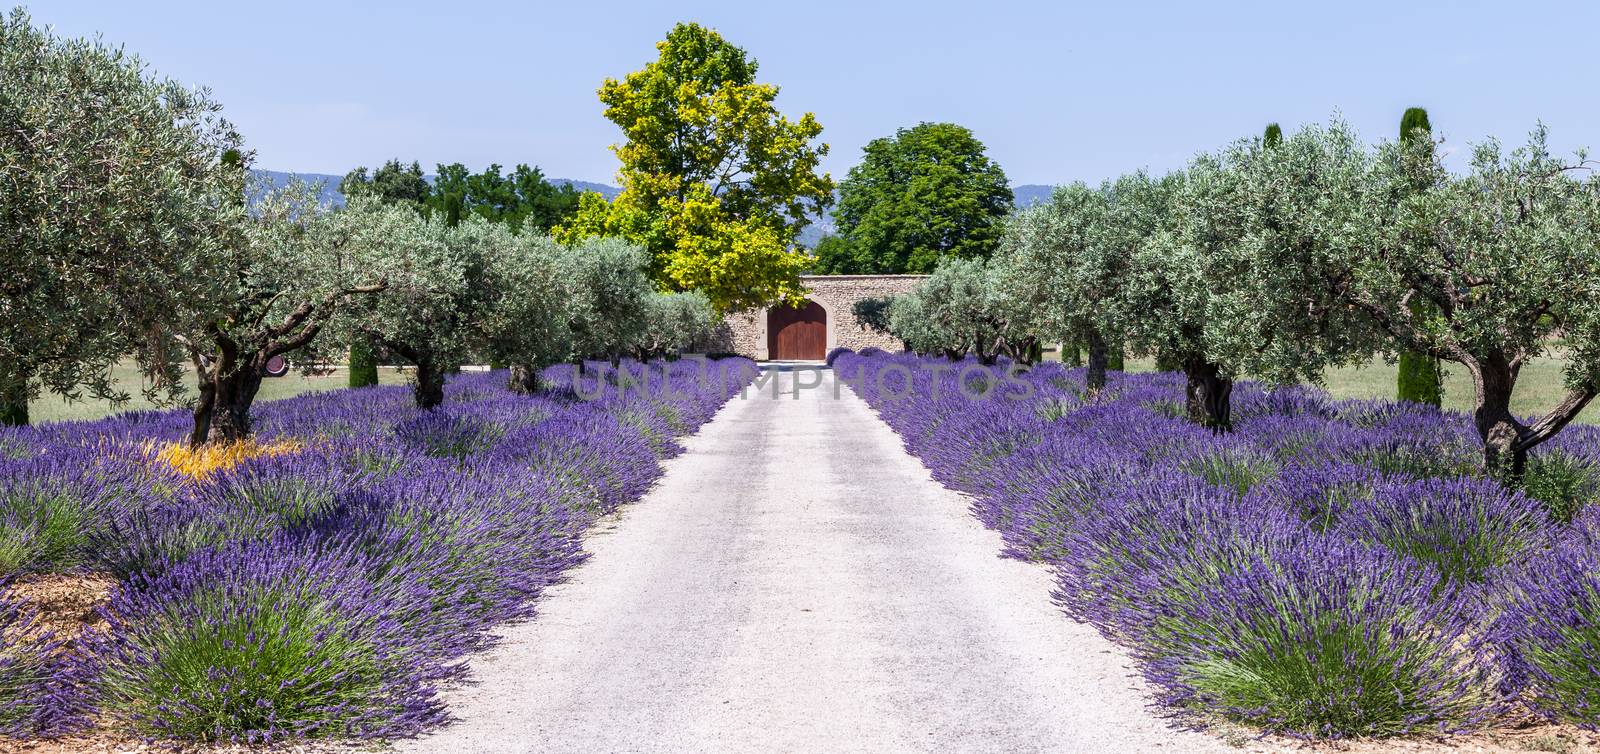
x=797 y=582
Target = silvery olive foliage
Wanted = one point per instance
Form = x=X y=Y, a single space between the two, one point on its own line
x=963 y=306
x=439 y=291
x=1269 y=218
x=1507 y=259
x=1282 y=260
x=532 y=307
x=610 y=291
x=675 y=322
x=112 y=186
x=1040 y=255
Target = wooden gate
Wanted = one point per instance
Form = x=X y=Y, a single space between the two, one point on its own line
x=799 y=334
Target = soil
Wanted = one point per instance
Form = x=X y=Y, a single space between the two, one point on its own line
x=66 y=604
x=1533 y=737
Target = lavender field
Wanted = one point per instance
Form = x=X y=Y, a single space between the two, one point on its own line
x=1328 y=569
x=326 y=577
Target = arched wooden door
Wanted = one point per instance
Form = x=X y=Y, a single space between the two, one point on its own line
x=799 y=334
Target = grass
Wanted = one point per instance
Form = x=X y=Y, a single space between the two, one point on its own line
x=51 y=408
x=1539 y=388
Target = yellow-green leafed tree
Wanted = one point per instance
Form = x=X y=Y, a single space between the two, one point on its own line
x=716 y=182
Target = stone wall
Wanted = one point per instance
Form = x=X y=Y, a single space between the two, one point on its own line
x=745 y=333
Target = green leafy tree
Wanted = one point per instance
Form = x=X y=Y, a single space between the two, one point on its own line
x=873 y=313
x=524 y=199
x=96 y=256
x=393 y=183
x=1420 y=377
x=363 y=364
x=926 y=194
x=716 y=183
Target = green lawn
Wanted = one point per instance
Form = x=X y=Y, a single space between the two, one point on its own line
x=49 y=407
x=1538 y=389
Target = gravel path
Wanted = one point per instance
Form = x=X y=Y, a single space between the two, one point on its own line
x=797 y=582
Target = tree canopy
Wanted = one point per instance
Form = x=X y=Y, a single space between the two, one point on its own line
x=926 y=194
x=716 y=183
x=523 y=199
x=1506 y=260
x=112 y=185
x=392 y=183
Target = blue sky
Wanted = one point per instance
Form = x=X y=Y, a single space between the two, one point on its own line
x=1059 y=91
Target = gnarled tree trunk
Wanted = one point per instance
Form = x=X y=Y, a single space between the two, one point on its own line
x=228 y=386
x=524 y=379
x=1494 y=380
x=429 y=390
x=1208 y=394
x=1506 y=440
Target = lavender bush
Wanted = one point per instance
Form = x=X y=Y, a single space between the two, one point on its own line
x=1466 y=528
x=1550 y=629
x=327 y=587
x=1327 y=569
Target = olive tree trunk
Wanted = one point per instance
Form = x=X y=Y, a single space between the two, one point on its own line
x=524 y=379
x=429 y=390
x=1096 y=345
x=1208 y=394
x=228 y=387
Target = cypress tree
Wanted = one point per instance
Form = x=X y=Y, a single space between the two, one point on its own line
x=363 y=364
x=1421 y=377
x=1273 y=136
x=14 y=413
x=1415 y=119
x=1072 y=352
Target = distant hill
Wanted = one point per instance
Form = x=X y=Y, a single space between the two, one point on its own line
x=1029 y=194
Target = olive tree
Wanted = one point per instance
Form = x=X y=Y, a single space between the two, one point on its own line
x=1233 y=288
x=112 y=183
x=533 y=307
x=1047 y=262
x=1505 y=261
x=963 y=306
x=675 y=322
x=610 y=290
x=283 y=274
x=1164 y=296
x=439 y=300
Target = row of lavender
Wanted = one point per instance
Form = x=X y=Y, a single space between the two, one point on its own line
x=1327 y=569
x=325 y=580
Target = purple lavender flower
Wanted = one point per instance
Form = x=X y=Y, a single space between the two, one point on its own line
x=1467 y=528
x=40 y=694
x=1549 y=630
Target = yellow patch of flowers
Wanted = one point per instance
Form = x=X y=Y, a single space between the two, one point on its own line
x=201 y=462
